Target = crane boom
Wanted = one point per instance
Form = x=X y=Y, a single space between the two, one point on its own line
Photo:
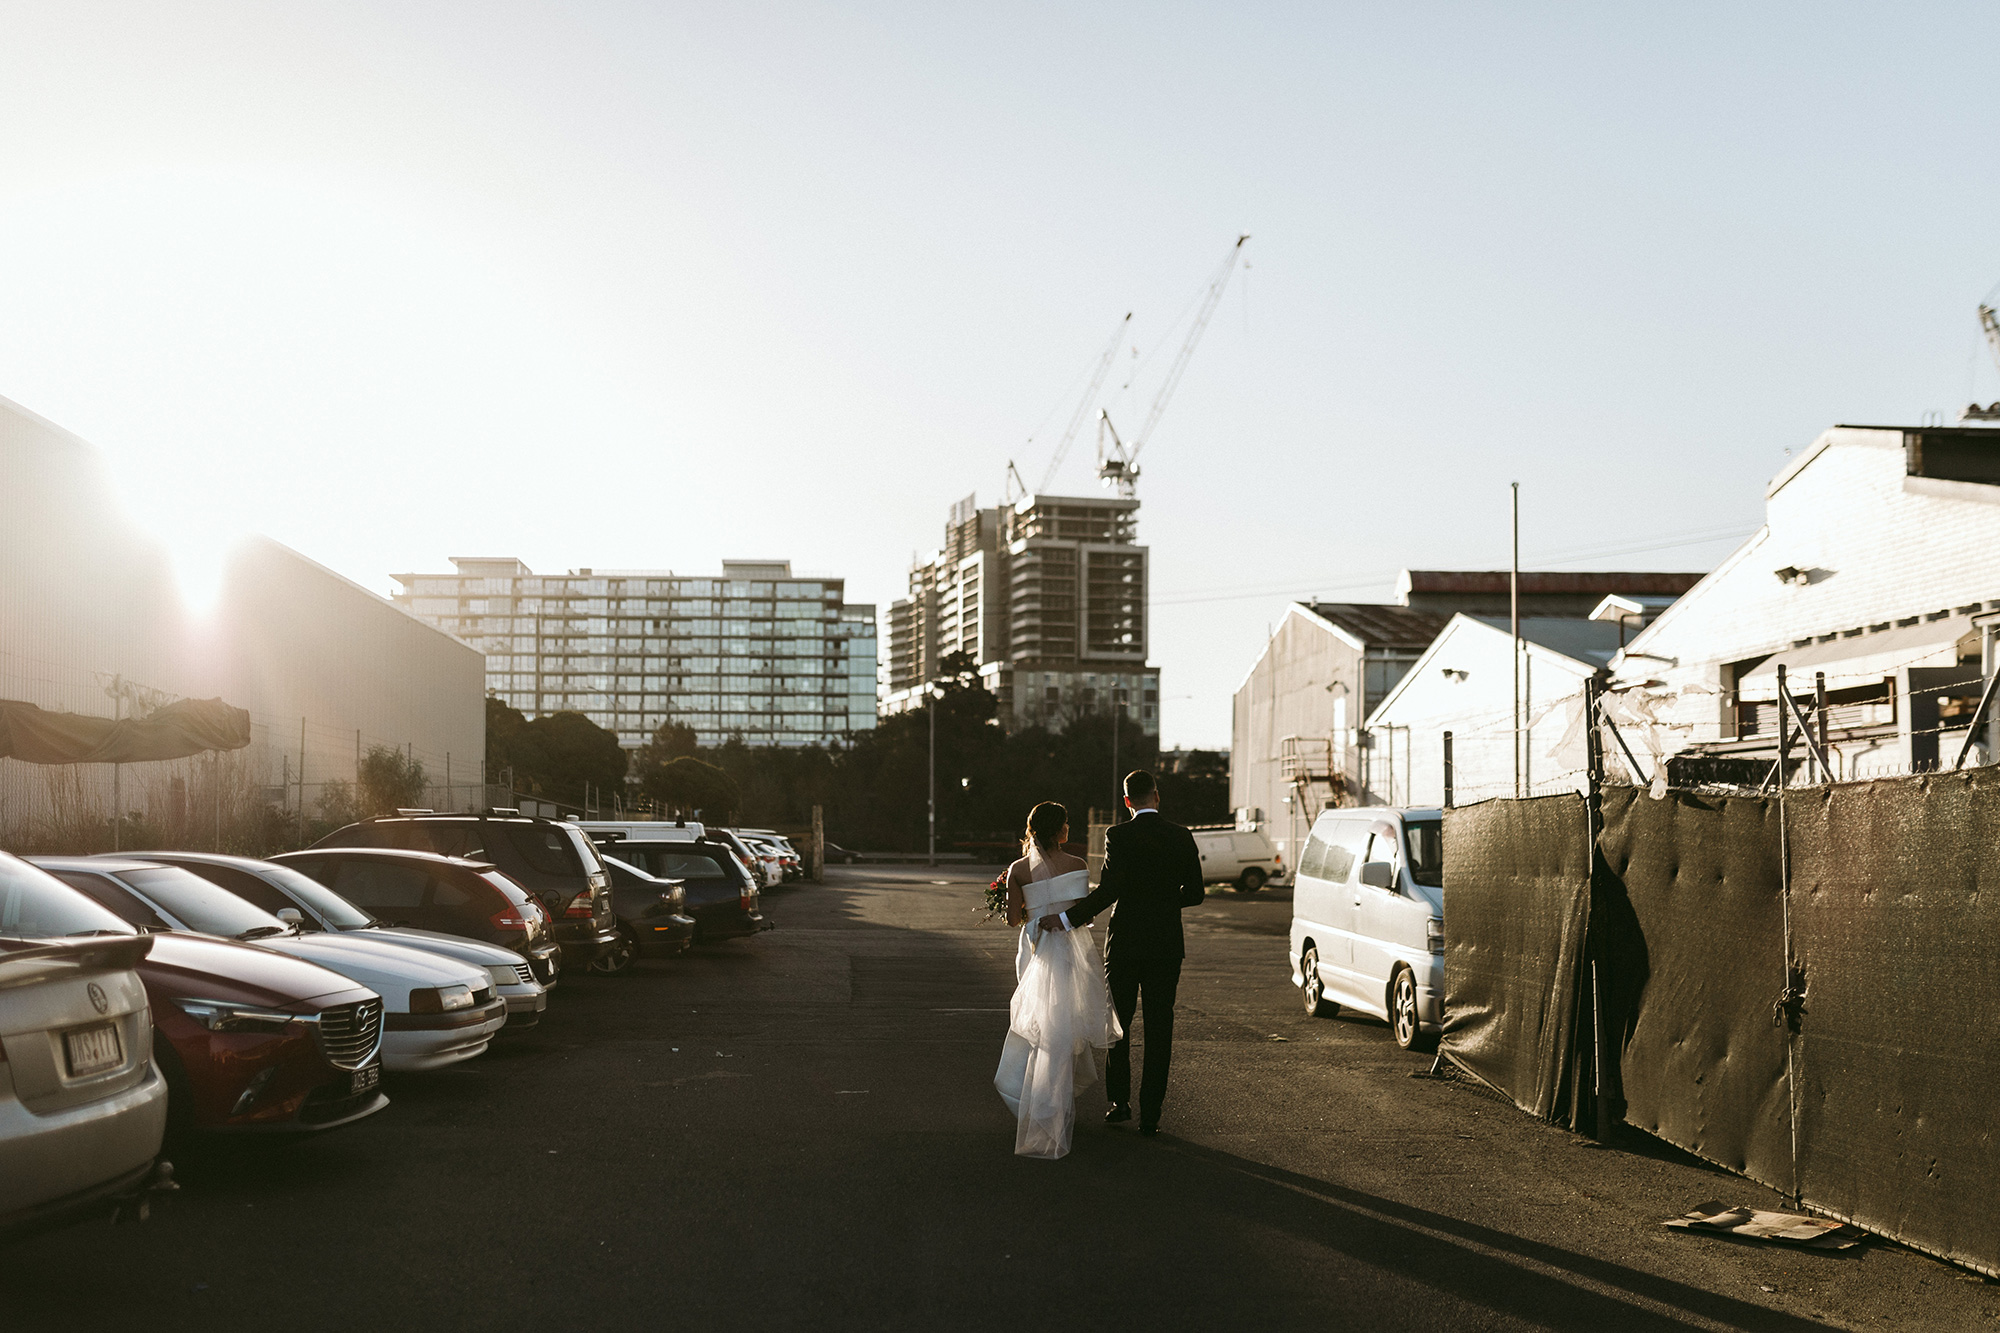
x=1089 y=399
x=1209 y=302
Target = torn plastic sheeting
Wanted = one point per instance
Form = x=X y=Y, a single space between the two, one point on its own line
x=1517 y=889
x=1688 y=929
x=1897 y=927
x=186 y=727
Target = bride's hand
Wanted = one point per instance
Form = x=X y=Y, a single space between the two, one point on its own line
x=1051 y=923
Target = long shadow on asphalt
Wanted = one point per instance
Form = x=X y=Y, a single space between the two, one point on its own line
x=1451 y=1255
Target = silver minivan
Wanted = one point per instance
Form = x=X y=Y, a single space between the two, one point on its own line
x=1368 y=918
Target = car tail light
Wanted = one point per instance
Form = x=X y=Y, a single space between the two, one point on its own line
x=513 y=917
x=581 y=908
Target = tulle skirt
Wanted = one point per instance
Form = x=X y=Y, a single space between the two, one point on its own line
x=1060 y=1025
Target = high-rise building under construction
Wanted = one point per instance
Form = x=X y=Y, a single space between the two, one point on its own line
x=1048 y=596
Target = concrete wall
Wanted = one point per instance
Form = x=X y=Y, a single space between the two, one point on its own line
x=90 y=610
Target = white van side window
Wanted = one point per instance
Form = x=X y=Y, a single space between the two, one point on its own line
x=1312 y=863
x=1345 y=841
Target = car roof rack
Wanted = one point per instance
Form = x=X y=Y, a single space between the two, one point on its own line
x=504 y=810
x=401 y=811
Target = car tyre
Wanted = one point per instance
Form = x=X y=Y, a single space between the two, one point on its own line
x=1251 y=880
x=1313 y=986
x=1403 y=1021
x=620 y=959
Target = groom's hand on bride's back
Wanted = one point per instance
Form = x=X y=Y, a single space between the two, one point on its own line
x=1048 y=923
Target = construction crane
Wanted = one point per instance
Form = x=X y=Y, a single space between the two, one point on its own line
x=1118 y=465
x=1085 y=403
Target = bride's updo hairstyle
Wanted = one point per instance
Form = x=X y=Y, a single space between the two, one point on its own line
x=1045 y=825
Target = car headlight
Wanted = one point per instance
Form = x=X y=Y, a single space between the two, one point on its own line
x=440 y=999
x=1434 y=934
x=229 y=1016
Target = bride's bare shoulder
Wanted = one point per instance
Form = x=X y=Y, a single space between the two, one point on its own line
x=1018 y=871
x=1062 y=863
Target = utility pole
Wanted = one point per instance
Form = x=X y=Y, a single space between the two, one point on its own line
x=1117 y=787
x=1514 y=617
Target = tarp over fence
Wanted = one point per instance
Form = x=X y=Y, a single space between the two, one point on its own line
x=1896 y=924
x=180 y=729
x=1884 y=997
x=1688 y=927
x=1517 y=887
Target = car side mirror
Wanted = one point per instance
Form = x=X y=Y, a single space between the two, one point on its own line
x=291 y=916
x=1379 y=875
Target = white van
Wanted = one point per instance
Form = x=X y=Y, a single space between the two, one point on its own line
x=1368 y=918
x=1246 y=858
x=646 y=830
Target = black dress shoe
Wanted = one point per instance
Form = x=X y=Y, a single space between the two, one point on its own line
x=1149 y=1130
x=1118 y=1114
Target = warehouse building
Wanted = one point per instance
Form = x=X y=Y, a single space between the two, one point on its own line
x=757 y=653
x=1048 y=598
x=1876 y=578
x=1299 y=740
x=94 y=622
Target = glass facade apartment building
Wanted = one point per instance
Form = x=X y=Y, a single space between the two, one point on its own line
x=759 y=653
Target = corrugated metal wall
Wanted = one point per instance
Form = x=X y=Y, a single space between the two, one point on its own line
x=92 y=621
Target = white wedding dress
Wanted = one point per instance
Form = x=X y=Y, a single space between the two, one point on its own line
x=1061 y=1021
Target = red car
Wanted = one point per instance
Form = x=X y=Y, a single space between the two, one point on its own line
x=250 y=1040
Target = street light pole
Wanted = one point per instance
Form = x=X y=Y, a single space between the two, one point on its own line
x=930 y=706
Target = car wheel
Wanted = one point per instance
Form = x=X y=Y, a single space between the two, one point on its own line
x=620 y=959
x=1314 y=989
x=1403 y=1013
x=1251 y=880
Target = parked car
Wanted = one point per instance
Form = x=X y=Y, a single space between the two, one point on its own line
x=436 y=1012
x=788 y=855
x=82 y=1107
x=252 y=1041
x=651 y=915
x=551 y=859
x=762 y=865
x=836 y=855
x=425 y=891
x=1246 y=858
x=722 y=895
x=1368 y=918
x=292 y=896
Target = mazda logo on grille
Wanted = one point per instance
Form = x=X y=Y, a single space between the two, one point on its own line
x=97 y=998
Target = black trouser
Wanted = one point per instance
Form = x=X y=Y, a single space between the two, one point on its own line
x=1157 y=979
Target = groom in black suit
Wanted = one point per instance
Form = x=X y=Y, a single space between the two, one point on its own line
x=1151 y=870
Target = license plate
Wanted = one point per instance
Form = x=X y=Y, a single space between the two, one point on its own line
x=93 y=1050
x=364 y=1079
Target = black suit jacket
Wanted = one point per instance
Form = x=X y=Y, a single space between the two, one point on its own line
x=1151 y=871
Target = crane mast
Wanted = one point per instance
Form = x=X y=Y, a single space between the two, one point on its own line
x=1118 y=466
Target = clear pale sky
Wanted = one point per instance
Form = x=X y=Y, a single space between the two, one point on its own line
x=652 y=285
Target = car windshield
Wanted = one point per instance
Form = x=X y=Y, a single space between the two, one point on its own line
x=1425 y=840
x=35 y=905
x=200 y=905
x=617 y=865
x=546 y=848
x=335 y=910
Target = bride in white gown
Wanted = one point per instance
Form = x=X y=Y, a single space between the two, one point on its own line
x=1061 y=1020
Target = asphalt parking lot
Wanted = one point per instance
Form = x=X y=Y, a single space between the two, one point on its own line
x=800 y=1130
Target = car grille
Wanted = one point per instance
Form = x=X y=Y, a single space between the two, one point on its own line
x=525 y=973
x=349 y=1033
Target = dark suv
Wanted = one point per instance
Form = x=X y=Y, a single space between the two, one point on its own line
x=552 y=860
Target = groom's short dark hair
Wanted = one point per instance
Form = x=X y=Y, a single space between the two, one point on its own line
x=1139 y=786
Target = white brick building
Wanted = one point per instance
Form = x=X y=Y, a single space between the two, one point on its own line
x=1877 y=569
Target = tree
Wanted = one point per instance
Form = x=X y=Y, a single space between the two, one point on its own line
x=503 y=728
x=688 y=787
x=673 y=740
x=557 y=754
x=390 y=781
